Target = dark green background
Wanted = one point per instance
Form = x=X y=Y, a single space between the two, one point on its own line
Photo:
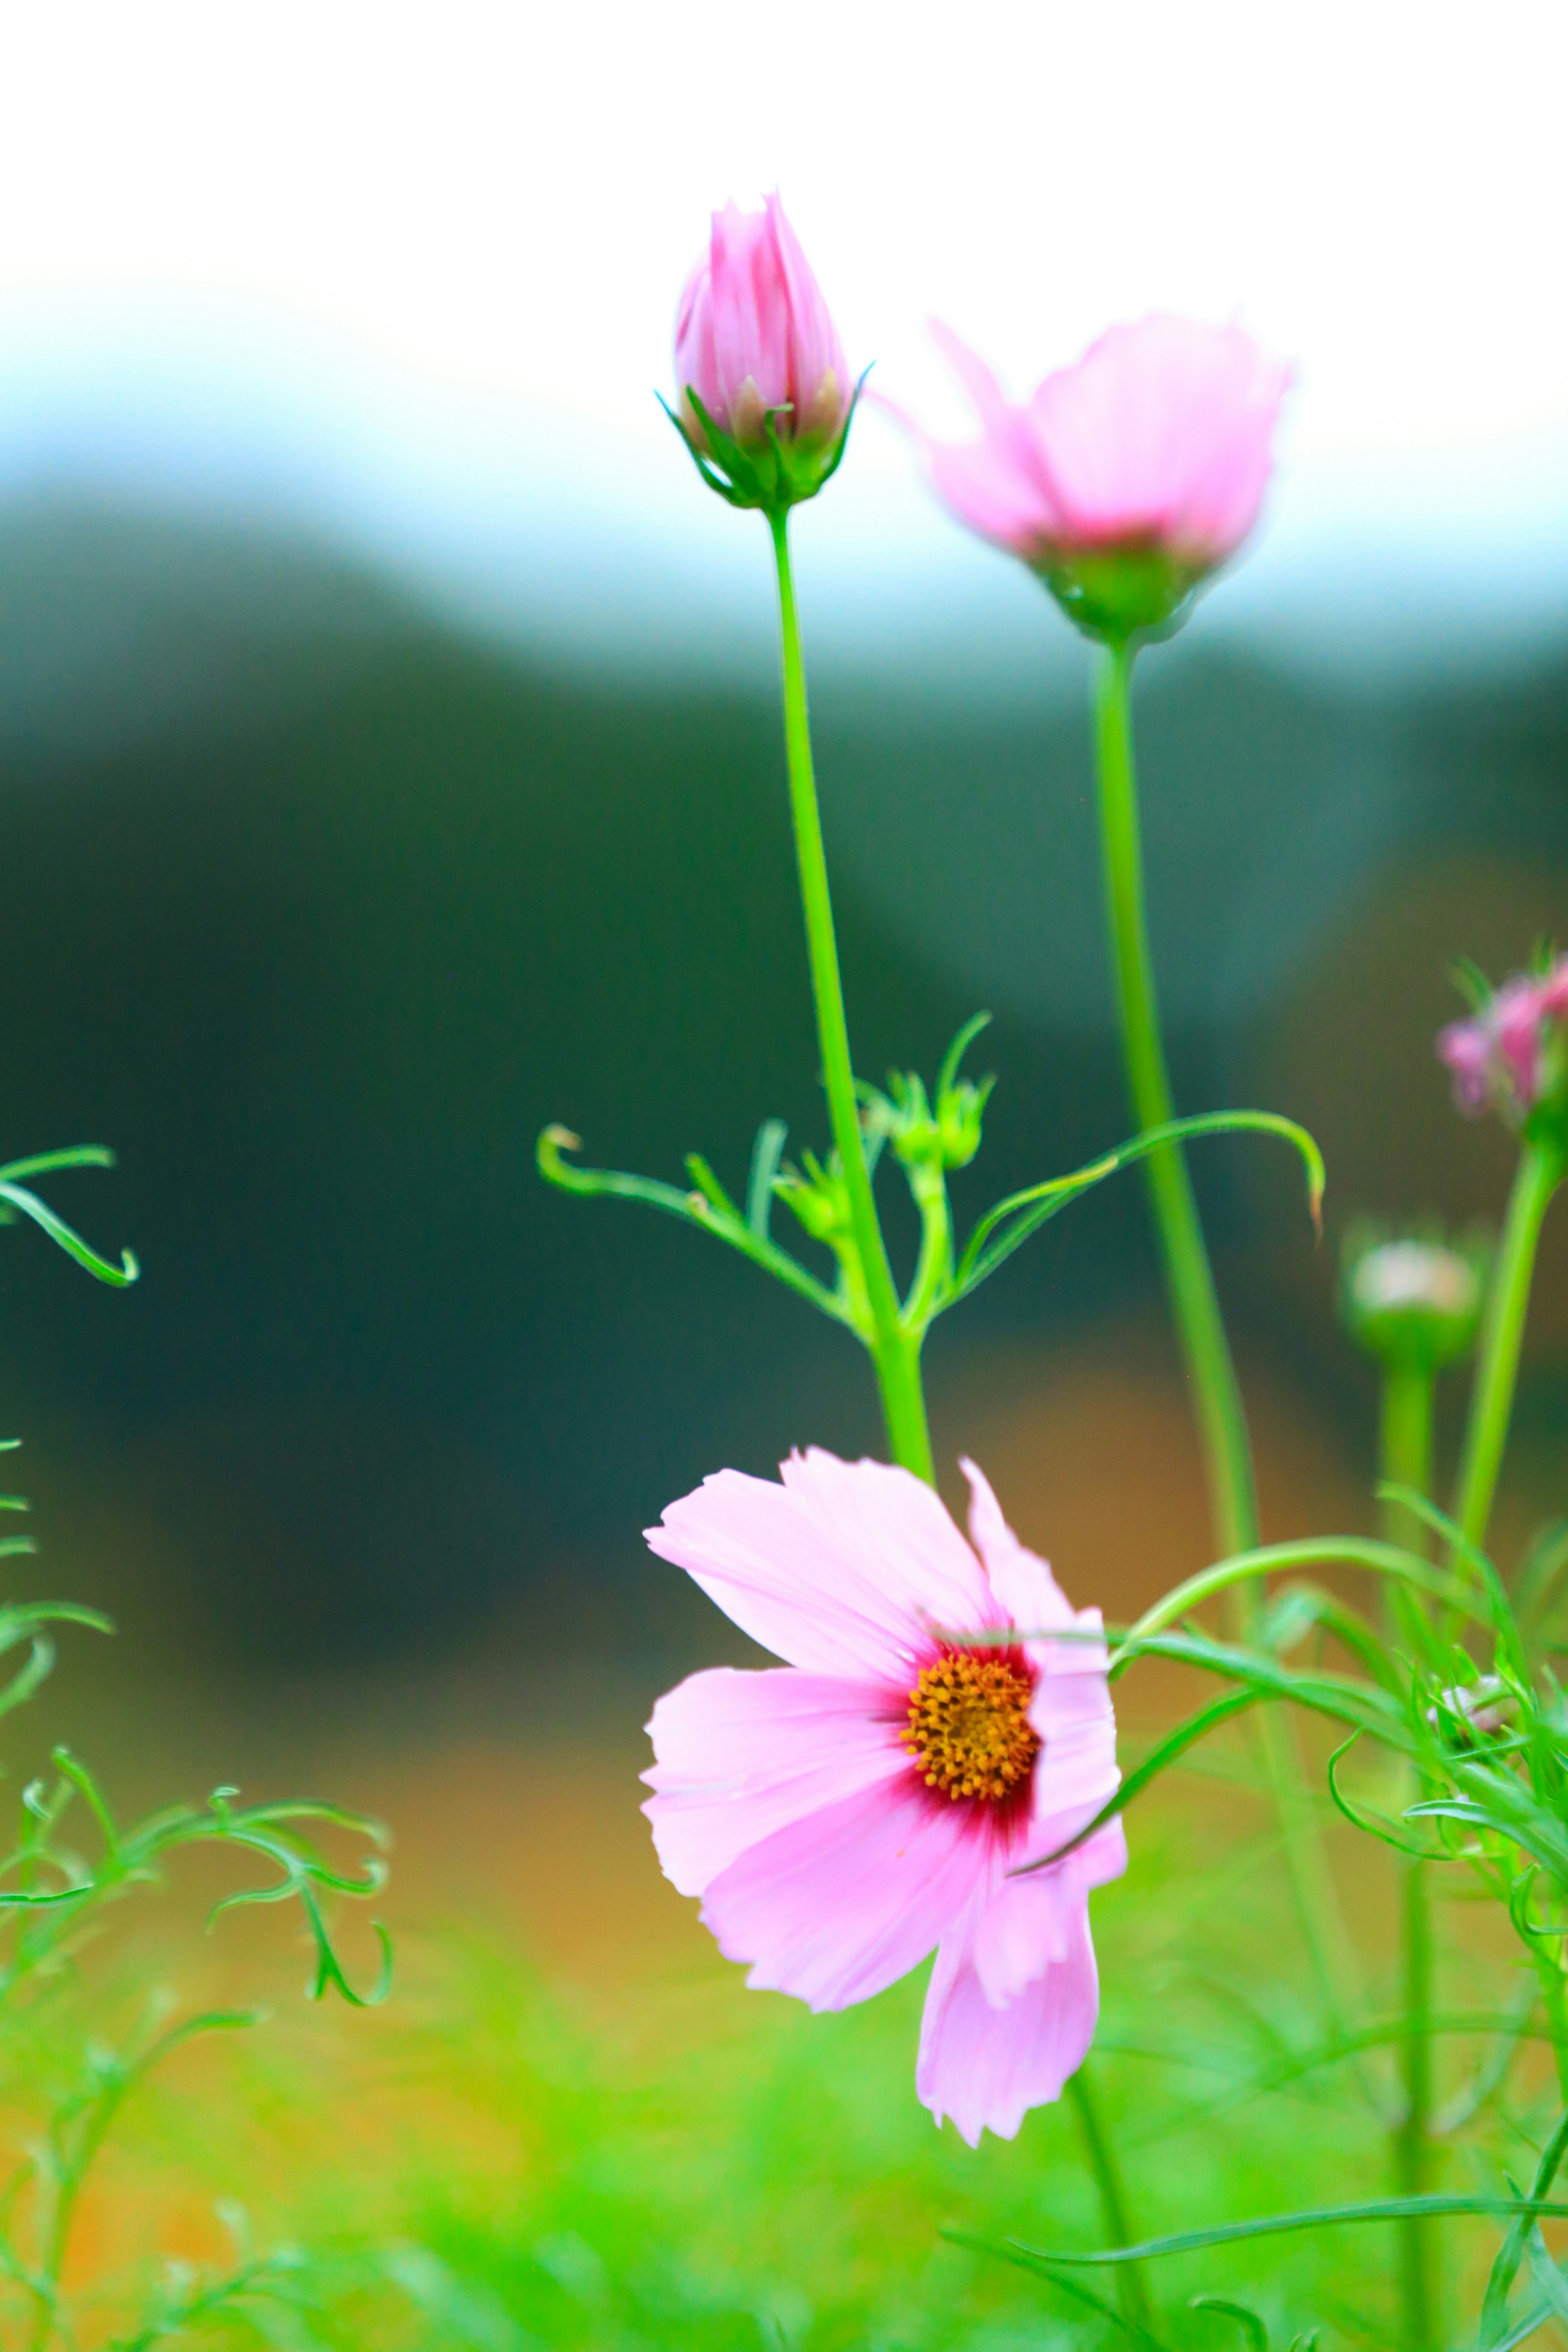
x=318 y=909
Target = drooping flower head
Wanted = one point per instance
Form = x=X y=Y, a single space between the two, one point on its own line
x=942 y=1719
x=1511 y=1055
x=1129 y=476
x=762 y=388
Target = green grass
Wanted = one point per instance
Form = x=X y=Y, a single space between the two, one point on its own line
x=493 y=2162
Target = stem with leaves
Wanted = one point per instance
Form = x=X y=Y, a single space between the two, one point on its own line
x=895 y=1351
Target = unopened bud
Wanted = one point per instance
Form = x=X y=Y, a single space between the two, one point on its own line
x=1413 y=1301
x=763 y=390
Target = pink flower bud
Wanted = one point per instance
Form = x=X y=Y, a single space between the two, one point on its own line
x=754 y=338
x=1511 y=1055
x=1127 y=476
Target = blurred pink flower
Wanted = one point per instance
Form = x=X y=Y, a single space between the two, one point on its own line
x=842 y=1814
x=754 y=337
x=1509 y=1054
x=1158 y=441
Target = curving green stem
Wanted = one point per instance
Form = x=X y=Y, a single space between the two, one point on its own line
x=895 y=1350
x=1406 y=1459
x=1189 y=1280
x=1540 y=1173
x=1194 y=1305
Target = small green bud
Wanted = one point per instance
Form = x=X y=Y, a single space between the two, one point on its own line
x=959 y=1112
x=819 y=1198
x=1413 y=1300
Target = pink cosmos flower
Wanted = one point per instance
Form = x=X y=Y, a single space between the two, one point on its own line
x=1509 y=1054
x=1158 y=440
x=843 y=1814
x=754 y=337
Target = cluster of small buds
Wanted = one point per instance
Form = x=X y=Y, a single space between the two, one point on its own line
x=1511 y=1055
x=1413 y=1300
x=819 y=1196
x=946 y=1135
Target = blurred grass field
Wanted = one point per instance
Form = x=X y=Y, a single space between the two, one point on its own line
x=573 y=2126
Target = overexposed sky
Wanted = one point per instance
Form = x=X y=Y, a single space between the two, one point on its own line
x=409 y=271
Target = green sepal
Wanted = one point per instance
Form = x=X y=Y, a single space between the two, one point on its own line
x=772 y=475
x=1114 y=595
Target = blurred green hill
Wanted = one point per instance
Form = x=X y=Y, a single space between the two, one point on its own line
x=318 y=909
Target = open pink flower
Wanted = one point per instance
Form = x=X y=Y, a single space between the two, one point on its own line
x=1155 y=446
x=842 y=1814
x=1511 y=1054
x=754 y=337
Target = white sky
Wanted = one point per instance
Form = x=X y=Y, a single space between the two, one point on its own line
x=410 y=270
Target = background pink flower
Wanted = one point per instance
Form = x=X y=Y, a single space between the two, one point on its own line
x=752 y=334
x=842 y=1814
x=1509 y=1054
x=1160 y=437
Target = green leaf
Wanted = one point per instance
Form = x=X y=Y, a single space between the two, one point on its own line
x=767 y=1153
x=709 y=1207
x=989 y=1245
x=72 y=1243
x=1251 y=2326
x=1317 y=2216
x=1010 y=2252
x=1268 y=1559
x=952 y=1061
x=1169 y=1749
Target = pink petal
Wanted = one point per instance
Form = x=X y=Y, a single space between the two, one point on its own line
x=1025 y=1925
x=842 y=1569
x=1072 y=1708
x=1516 y=1026
x=842 y=1905
x=992 y=406
x=1466 y=1046
x=1021 y=1583
x=978 y=483
x=1162 y=430
x=740 y=1755
x=986 y=2066
x=815 y=350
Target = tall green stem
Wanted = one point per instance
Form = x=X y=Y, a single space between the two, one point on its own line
x=1420 y=2242
x=895 y=1351
x=1100 y=2150
x=1406 y=1459
x=1407 y=1448
x=1189 y=1279
x=1539 y=1171
x=1227 y=1455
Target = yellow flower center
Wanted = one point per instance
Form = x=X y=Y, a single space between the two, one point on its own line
x=969 y=1729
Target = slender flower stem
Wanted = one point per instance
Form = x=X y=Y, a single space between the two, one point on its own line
x=1420 y=2242
x=1541 y=1171
x=895 y=1351
x=1194 y=1305
x=1189 y=1280
x=1406 y=1450
x=1100 y=2149
x=1406 y=1458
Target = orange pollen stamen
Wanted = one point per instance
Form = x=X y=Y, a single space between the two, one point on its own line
x=969 y=1729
